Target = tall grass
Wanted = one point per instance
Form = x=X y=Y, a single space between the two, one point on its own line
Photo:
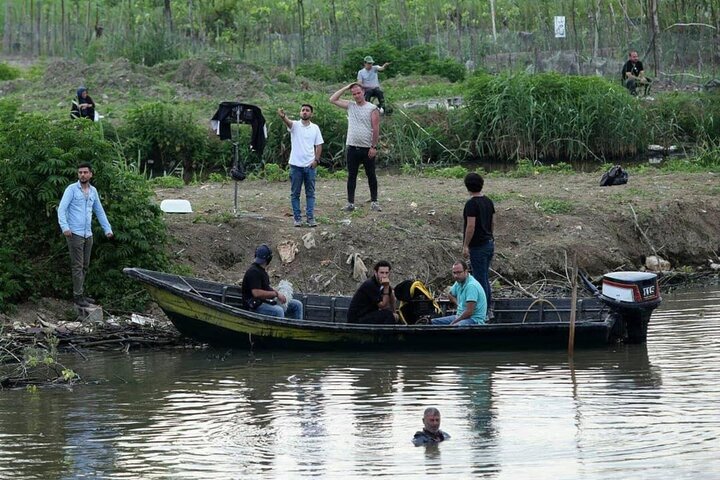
x=550 y=116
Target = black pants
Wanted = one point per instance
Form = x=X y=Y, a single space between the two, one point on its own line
x=377 y=93
x=357 y=156
x=378 y=317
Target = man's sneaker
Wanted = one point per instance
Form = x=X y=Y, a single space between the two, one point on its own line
x=376 y=207
x=297 y=223
x=312 y=223
x=90 y=300
x=80 y=301
x=349 y=207
x=382 y=110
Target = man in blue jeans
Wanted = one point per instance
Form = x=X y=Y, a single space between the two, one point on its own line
x=469 y=297
x=306 y=148
x=259 y=296
x=478 y=227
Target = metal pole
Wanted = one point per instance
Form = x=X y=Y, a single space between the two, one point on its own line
x=236 y=156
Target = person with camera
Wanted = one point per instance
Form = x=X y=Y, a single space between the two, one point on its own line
x=259 y=296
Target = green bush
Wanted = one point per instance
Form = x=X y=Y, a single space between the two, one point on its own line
x=38 y=160
x=8 y=72
x=162 y=136
x=683 y=116
x=8 y=109
x=552 y=116
x=319 y=71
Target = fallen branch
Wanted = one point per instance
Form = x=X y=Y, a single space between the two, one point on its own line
x=514 y=284
x=642 y=232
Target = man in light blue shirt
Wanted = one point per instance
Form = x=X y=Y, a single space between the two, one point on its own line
x=75 y=211
x=468 y=295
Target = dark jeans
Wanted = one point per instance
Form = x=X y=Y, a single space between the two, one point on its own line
x=298 y=177
x=480 y=258
x=632 y=85
x=377 y=93
x=80 y=250
x=357 y=156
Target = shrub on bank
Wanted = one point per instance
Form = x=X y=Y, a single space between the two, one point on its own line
x=551 y=116
x=38 y=160
x=683 y=116
x=8 y=73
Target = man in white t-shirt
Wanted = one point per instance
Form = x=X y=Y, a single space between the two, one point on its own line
x=367 y=77
x=306 y=148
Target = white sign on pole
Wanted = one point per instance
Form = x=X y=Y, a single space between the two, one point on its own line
x=560 y=27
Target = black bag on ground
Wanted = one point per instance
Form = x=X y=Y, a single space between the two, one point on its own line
x=615 y=176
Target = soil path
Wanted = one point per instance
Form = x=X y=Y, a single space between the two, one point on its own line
x=540 y=223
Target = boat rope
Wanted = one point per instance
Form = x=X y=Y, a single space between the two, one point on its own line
x=541 y=300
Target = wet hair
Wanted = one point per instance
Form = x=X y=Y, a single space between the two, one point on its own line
x=474 y=182
x=382 y=263
x=431 y=411
x=85 y=165
x=309 y=106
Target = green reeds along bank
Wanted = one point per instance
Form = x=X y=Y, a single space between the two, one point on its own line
x=554 y=117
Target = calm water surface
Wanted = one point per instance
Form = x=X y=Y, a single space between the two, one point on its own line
x=626 y=412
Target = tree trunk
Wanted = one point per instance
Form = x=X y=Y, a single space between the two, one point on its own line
x=492 y=18
x=654 y=20
x=7 y=31
x=335 y=34
x=167 y=14
x=301 y=21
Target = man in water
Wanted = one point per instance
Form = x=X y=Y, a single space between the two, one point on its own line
x=431 y=433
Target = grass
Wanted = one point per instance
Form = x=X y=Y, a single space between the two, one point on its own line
x=553 y=206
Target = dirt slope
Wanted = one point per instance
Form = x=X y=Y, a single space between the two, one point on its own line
x=540 y=222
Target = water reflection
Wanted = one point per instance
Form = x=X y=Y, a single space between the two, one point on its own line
x=511 y=414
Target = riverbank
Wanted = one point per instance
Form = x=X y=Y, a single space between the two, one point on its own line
x=542 y=221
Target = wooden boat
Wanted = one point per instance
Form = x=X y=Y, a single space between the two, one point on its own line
x=211 y=312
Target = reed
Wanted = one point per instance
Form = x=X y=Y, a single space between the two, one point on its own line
x=553 y=117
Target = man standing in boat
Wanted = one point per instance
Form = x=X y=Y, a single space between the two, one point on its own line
x=469 y=297
x=431 y=433
x=361 y=143
x=77 y=205
x=259 y=296
x=307 y=142
x=374 y=302
x=478 y=239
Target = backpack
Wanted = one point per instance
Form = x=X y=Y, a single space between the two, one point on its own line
x=615 y=176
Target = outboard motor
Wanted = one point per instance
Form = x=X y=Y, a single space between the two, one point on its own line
x=633 y=296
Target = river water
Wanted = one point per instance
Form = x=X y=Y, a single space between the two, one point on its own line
x=641 y=412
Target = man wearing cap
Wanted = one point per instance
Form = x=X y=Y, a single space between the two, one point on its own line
x=361 y=141
x=367 y=77
x=259 y=296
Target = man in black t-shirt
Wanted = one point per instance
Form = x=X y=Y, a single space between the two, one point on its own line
x=374 y=302
x=259 y=296
x=478 y=227
x=634 y=75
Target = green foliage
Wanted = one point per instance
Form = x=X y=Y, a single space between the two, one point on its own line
x=8 y=72
x=218 y=177
x=320 y=71
x=323 y=172
x=551 y=116
x=684 y=116
x=271 y=172
x=151 y=45
x=553 y=206
x=38 y=160
x=168 y=181
x=419 y=59
x=162 y=136
x=8 y=109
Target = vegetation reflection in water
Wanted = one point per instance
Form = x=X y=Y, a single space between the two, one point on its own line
x=647 y=410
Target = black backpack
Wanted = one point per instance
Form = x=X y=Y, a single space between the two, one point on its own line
x=615 y=176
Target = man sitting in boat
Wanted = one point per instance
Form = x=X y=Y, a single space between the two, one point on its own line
x=259 y=296
x=468 y=295
x=431 y=433
x=374 y=302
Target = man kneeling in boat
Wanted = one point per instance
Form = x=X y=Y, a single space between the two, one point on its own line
x=468 y=295
x=374 y=302
x=259 y=296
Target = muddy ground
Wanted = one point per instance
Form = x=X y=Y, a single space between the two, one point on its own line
x=541 y=222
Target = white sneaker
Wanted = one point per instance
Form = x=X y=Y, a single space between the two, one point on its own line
x=349 y=207
x=376 y=207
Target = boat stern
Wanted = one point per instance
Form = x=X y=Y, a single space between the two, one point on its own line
x=633 y=296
